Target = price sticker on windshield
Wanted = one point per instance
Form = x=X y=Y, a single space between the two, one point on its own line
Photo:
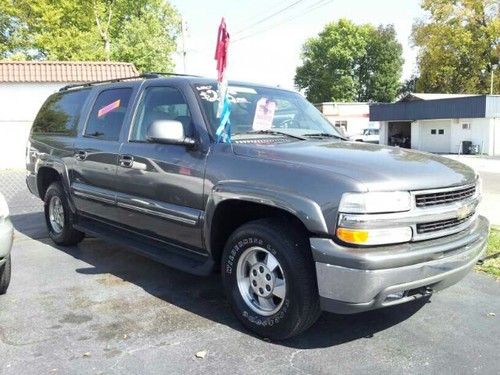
x=264 y=114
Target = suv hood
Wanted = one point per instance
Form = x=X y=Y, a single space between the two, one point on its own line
x=379 y=168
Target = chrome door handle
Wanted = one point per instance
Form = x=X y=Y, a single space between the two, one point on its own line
x=126 y=161
x=81 y=155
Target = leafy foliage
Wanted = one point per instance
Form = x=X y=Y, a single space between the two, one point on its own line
x=140 y=31
x=459 y=45
x=348 y=62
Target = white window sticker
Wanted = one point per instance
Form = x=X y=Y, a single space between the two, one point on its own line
x=264 y=114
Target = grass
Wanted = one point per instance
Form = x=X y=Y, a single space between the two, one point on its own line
x=491 y=264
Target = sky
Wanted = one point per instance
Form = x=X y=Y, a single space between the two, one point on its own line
x=268 y=51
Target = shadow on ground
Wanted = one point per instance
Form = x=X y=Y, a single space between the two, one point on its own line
x=204 y=296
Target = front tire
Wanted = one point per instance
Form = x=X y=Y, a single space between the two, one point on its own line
x=59 y=218
x=269 y=278
x=5 y=271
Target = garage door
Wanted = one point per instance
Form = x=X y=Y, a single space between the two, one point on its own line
x=436 y=137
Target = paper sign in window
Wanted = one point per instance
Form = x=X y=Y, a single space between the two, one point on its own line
x=264 y=114
x=108 y=108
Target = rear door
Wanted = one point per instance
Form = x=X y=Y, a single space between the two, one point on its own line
x=93 y=179
x=160 y=191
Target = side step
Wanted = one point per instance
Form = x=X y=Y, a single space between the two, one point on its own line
x=171 y=255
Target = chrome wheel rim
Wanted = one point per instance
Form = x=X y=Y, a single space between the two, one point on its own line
x=261 y=281
x=56 y=214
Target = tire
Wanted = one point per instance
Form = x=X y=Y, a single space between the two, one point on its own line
x=281 y=316
x=5 y=271
x=61 y=230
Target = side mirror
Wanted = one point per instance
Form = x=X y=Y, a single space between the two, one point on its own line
x=168 y=131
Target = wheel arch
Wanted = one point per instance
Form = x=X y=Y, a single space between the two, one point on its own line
x=232 y=205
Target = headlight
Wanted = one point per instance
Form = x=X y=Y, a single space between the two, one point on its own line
x=4 y=209
x=356 y=209
x=375 y=202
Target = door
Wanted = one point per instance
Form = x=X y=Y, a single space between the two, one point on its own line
x=160 y=190
x=93 y=179
x=436 y=136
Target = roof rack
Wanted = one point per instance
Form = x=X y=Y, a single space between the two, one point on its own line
x=148 y=75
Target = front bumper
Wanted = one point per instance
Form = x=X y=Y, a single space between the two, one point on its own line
x=6 y=238
x=352 y=280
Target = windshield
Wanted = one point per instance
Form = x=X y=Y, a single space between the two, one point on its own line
x=260 y=109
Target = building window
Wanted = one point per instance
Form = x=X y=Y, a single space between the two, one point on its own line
x=341 y=123
x=441 y=131
x=433 y=131
x=466 y=126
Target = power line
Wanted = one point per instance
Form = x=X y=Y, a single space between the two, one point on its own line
x=268 y=17
x=257 y=16
x=306 y=11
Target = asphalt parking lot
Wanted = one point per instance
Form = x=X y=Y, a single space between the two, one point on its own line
x=99 y=309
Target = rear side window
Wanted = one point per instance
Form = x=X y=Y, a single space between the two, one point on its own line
x=108 y=114
x=60 y=113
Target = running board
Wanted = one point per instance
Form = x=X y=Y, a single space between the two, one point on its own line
x=171 y=255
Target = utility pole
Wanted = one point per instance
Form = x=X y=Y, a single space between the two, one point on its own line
x=493 y=67
x=184 y=49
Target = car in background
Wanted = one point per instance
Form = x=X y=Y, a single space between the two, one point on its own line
x=370 y=135
x=6 y=237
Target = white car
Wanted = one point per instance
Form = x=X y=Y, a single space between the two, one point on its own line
x=6 y=238
x=370 y=135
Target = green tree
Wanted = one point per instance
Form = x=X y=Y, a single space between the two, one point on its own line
x=140 y=31
x=459 y=43
x=349 y=62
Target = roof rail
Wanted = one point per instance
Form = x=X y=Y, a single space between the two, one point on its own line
x=148 y=75
x=87 y=84
x=172 y=74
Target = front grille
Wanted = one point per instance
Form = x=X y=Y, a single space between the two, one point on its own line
x=435 y=226
x=444 y=197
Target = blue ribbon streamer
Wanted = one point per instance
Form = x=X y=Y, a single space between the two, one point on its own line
x=223 y=132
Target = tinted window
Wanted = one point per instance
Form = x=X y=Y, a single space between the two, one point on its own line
x=60 y=113
x=108 y=114
x=433 y=131
x=160 y=103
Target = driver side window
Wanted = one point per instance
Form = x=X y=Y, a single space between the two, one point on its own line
x=160 y=103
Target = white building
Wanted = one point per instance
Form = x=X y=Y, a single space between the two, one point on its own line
x=24 y=86
x=353 y=118
x=441 y=123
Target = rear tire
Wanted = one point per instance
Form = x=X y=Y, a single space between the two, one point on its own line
x=59 y=218
x=269 y=278
x=5 y=271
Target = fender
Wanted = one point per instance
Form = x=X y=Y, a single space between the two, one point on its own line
x=47 y=161
x=306 y=210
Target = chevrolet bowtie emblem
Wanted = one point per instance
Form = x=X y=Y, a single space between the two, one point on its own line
x=464 y=211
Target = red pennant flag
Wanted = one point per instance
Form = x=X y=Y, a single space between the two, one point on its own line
x=221 y=50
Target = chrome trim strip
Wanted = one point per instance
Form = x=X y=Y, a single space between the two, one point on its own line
x=98 y=198
x=157 y=213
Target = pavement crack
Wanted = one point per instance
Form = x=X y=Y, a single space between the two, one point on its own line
x=292 y=365
x=6 y=341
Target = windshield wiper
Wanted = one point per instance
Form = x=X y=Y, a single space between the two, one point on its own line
x=273 y=132
x=324 y=135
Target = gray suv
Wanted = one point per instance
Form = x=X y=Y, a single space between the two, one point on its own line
x=296 y=218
